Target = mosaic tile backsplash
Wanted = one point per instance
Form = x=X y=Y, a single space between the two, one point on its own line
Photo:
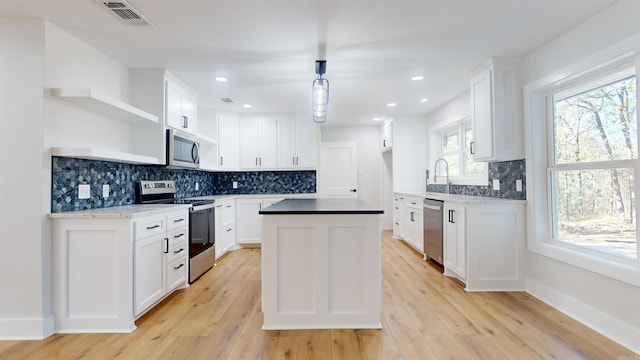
x=506 y=171
x=68 y=173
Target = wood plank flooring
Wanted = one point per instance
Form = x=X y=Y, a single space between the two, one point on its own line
x=425 y=316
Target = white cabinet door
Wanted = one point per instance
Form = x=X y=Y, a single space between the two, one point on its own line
x=482 y=115
x=386 y=137
x=225 y=226
x=150 y=276
x=306 y=143
x=286 y=142
x=180 y=109
x=258 y=147
x=455 y=240
x=228 y=141
x=496 y=111
x=248 y=226
x=296 y=143
x=228 y=238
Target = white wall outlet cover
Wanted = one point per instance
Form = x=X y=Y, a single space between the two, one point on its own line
x=105 y=190
x=496 y=184
x=235 y=184
x=84 y=191
x=519 y=185
x=197 y=186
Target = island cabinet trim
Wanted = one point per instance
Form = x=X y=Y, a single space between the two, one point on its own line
x=321 y=272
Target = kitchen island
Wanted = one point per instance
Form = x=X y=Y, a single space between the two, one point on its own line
x=321 y=264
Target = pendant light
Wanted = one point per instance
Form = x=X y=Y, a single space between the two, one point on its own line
x=320 y=93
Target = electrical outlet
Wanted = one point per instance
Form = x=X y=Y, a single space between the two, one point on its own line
x=84 y=191
x=235 y=184
x=519 y=185
x=197 y=186
x=105 y=191
x=496 y=184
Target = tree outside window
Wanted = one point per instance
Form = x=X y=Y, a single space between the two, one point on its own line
x=593 y=164
x=454 y=147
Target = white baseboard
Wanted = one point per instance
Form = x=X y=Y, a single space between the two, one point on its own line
x=616 y=330
x=26 y=329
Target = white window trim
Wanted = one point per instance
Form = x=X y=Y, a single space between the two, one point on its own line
x=434 y=150
x=536 y=132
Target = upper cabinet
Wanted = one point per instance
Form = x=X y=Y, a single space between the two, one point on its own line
x=386 y=140
x=180 y=108
x=496 y=111
x=296 y=142
x=258 y=142
x=228 y=147
x=160 y=92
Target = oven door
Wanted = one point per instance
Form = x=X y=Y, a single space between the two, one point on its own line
x=183 y=150
x=202 y=234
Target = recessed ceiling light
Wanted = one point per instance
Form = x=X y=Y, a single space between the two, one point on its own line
x=392 y=104
x=376 y=119
x=221 y=79
x=417 y=77
x=247 y=106
x=424 y=100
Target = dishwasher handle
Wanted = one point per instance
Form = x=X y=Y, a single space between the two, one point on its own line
x=432 y=207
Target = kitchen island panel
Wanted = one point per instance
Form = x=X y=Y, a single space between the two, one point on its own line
x=321 y=272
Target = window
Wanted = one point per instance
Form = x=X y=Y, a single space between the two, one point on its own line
x=593 y=162
x=454 y=148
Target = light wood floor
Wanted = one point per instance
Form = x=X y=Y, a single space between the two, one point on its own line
x=425 y=316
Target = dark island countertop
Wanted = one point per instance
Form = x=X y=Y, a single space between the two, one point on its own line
x=320 y=207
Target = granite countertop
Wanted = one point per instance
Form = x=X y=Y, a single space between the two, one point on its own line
x=320 y=206
x=462 y=199
x=125 y=211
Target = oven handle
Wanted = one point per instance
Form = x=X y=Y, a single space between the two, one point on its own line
x=203 y=207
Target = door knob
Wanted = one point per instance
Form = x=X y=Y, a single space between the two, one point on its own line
x=353 y=190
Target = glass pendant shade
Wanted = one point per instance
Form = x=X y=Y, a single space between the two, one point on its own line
x=320 y=96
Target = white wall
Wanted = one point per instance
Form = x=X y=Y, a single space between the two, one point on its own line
x=367 y=139
x=603 y=303
x=25 y=295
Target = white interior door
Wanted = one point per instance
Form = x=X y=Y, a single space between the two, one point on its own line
x=339 y=170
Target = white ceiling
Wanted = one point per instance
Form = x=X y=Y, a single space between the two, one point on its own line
x=268 y=48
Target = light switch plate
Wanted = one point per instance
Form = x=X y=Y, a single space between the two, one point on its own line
x=105 y=190
x=197 y=186
x=519 y=185
x=235 y=184
x=496 y=184
x=84 y=191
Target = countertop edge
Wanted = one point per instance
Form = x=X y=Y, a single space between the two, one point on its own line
x=462 y=199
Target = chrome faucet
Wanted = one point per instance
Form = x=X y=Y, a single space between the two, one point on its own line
x=435 y=173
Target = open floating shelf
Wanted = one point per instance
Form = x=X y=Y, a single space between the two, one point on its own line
x=105 y=155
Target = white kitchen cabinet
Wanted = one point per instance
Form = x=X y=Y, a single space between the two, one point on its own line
x=225 y=226
x=455 y=240
x=409 y=155
x=160 y=257
x=297 y=142
x=248 y=220
x=258 y=145
x=496 y=111
x=410 y=221
x=386 y=136
x=180 y=108
x=396 y=216
x=108 y=270
x=228 y=137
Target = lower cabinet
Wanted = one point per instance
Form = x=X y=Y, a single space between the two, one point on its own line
x=455 y=240
x=408 y=220
x=108 y=271
x=485 y=245
x=225 y=226
x=248 y=221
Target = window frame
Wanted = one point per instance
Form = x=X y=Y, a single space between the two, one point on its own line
x=437 y=133
x=538 y=131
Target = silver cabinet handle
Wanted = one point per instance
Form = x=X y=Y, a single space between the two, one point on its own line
x=166 y=245
x=185 y=122
x=412 y=216
x=221 y=160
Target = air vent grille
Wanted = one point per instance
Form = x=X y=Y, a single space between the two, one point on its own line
x=227 y=100
x=125 y=12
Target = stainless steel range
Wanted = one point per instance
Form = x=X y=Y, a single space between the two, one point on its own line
x=202 y=251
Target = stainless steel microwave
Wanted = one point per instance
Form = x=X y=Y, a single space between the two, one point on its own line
x=183 y=150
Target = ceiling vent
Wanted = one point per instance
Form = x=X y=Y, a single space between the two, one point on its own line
x=227 y=100
x=125 y=12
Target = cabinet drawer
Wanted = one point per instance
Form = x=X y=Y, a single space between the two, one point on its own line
x=177 y=236
x=227 y=212
x=150 y=226
x=176 y=220
x=176 y=251
x=176 y=273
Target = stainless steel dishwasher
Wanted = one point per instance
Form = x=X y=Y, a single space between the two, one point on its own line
x=433 y=219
